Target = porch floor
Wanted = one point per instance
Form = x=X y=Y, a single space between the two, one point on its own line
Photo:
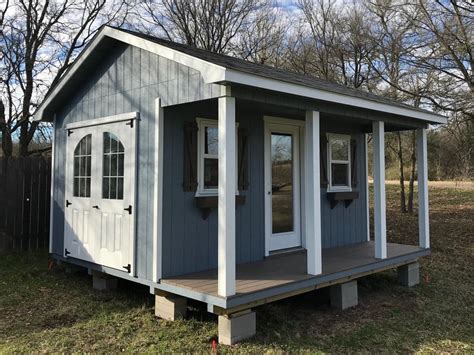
x=286 y=272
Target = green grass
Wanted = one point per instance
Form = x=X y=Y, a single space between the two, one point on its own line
x=45 y=311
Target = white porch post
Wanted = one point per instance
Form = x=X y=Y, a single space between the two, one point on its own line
x=380 y=224
x=423 y=209
x=312 y=198
x=227 y=188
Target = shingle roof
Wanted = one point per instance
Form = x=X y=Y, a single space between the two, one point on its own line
x=269 y=72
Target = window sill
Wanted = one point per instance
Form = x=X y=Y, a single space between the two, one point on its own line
x=211 y=202
x=347 y=196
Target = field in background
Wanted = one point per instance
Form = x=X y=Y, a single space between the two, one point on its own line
x=45 y=311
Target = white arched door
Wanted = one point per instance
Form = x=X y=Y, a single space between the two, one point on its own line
x=100 y=193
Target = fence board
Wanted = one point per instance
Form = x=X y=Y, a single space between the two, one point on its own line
x=24 y=203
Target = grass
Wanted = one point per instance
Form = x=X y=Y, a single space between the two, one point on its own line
x=45 y=311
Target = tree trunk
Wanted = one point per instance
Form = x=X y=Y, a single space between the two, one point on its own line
x=7 y=145
x=412 y=173
x=403 y=207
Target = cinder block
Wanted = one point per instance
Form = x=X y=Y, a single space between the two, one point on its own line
x=170 y=307
x=236 y=327
x=344 y=295
x=409 y=275
x=104 y=283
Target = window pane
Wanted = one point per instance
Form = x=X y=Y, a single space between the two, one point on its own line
x=211 y=144
x=106 y=143
x=340 y=174
x=340 y=149
x=282 y=183
x=113 y=188
x=120 y=164
x=210 y=173
x=105 y=188
x=120 y=188
x=113 y=167
x=76 y=187
x=82 y=167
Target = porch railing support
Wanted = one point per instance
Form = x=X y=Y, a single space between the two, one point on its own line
x=227 y=187
x=380 y=223
x=423 y=209
x=312 y=194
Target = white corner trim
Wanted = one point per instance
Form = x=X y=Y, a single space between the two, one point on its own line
x=423 y=203
x=380 y=218
x=158 y=192
x=103 y=120
x=238 y=77
x=366 y=165
x=51 y=203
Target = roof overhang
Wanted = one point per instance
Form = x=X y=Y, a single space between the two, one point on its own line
x=213 y=73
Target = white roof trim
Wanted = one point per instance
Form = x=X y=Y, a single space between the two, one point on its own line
x=238 y=77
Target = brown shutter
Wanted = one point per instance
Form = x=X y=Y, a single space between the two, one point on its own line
x=243 y=178
x=190 y=157
x=354 y=163
x=323 y=145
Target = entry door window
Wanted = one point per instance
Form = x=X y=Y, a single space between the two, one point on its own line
x=82 y=167
x=282 y=183
x=113 y=167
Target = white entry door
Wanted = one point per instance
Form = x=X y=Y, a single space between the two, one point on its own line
x=100 y=190
x=282 y=186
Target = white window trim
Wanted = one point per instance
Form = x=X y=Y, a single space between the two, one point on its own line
x=202 y=123
x=330 y=137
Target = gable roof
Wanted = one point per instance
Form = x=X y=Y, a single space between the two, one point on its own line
x=219 y=68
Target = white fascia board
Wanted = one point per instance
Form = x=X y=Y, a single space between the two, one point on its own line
x=237 y=77
x=211 y=73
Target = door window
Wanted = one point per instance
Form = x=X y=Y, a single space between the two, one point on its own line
x=82 y=168
x=113 y=167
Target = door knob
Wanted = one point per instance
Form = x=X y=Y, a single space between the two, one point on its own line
x=96 y=207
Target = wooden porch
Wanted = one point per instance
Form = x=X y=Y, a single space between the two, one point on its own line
x=284 y=275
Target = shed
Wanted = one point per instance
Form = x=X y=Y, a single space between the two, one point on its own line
x=211 y=178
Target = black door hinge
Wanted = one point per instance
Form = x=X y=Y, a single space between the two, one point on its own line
x=69 y=132
x=130 y=123
x=66 y=252
x=127 y=267
x=68 y=203
x=129 y=209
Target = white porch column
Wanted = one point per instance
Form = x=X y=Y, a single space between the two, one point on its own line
x=380 y=224
x=312 y=192
x=423 y=209
x=227 y=188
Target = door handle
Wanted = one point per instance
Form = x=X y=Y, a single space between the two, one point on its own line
x=96 y=207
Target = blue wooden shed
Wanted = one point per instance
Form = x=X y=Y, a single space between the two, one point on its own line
x=211 y=178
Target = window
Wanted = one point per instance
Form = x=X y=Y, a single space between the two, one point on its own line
x=208 y=169
x=82 y=168
x=339 y=162
x=113 y=167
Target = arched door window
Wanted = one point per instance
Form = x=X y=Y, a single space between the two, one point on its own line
x=113 y=167
x=82 y=167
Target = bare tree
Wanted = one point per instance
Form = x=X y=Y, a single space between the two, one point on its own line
x=39 y=40
x=211 y=24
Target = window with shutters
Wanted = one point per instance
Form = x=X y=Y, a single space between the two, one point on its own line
x=207 y=159
x=339 y=162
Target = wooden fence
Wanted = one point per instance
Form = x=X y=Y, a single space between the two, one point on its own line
x=24 y=203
